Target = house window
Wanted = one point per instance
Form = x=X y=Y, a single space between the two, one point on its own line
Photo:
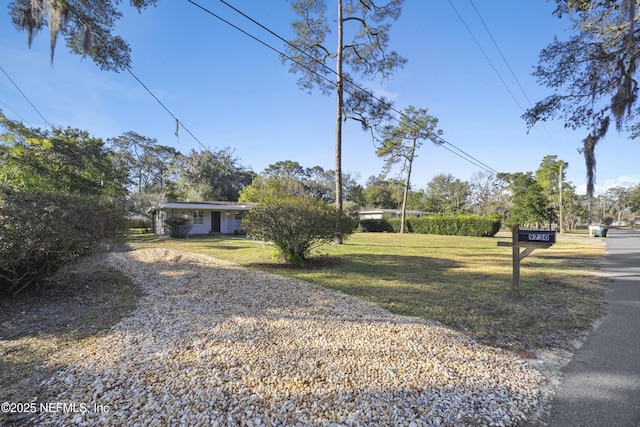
x=197 y=217
x=237 y=216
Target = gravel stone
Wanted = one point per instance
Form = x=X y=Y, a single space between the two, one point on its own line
x=212 y=343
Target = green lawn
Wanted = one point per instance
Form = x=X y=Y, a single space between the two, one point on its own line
x=463 y=282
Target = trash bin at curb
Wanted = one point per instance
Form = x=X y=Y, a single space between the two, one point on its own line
x=600 y=232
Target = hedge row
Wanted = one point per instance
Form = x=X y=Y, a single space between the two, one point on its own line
x=456 y=225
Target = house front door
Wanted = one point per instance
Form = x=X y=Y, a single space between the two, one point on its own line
x=215 y=221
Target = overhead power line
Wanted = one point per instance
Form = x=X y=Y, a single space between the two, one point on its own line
x=178 y=122
x=495 y=43
x=504 y=58
x=16 y=114
x=510 y=69
x=486 y=56
x=25 y=97
x=262 y=42
x=466 y=156
x=443 y=143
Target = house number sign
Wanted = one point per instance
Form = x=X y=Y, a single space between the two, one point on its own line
x=541 y=236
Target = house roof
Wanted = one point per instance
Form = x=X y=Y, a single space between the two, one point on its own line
x=212 y=206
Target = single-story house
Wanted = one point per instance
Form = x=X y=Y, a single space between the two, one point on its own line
x=206 y=217
x=388 y=213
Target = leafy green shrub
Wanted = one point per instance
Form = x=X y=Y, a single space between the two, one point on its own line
x=40 y=233
x=178 y=226
x=297 y=225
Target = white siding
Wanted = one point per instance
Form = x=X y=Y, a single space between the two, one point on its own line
x=228 y=222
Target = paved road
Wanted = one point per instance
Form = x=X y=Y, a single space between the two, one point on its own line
x=601 y=385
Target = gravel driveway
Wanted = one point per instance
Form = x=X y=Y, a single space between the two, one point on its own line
x=211 y=343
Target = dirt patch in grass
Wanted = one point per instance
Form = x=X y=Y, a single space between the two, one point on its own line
x=55 y=324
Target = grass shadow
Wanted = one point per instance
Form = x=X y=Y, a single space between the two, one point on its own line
x=39 y=325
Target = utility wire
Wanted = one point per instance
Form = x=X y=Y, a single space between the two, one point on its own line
x=18 y=115
x=178 y=122
x=495 y=43
x=486 y=56
x=513 y=74
x=468 y=157
x=441 y=141
x=25 y=97
x=256 y=38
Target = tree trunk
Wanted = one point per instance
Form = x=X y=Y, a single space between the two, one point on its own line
x=561 y=225
x=403 y=216
x=407 y=185
x=340 y=93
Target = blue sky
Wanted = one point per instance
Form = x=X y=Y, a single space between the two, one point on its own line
x=231 y=91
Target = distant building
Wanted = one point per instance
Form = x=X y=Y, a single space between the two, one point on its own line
x=388 y=213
